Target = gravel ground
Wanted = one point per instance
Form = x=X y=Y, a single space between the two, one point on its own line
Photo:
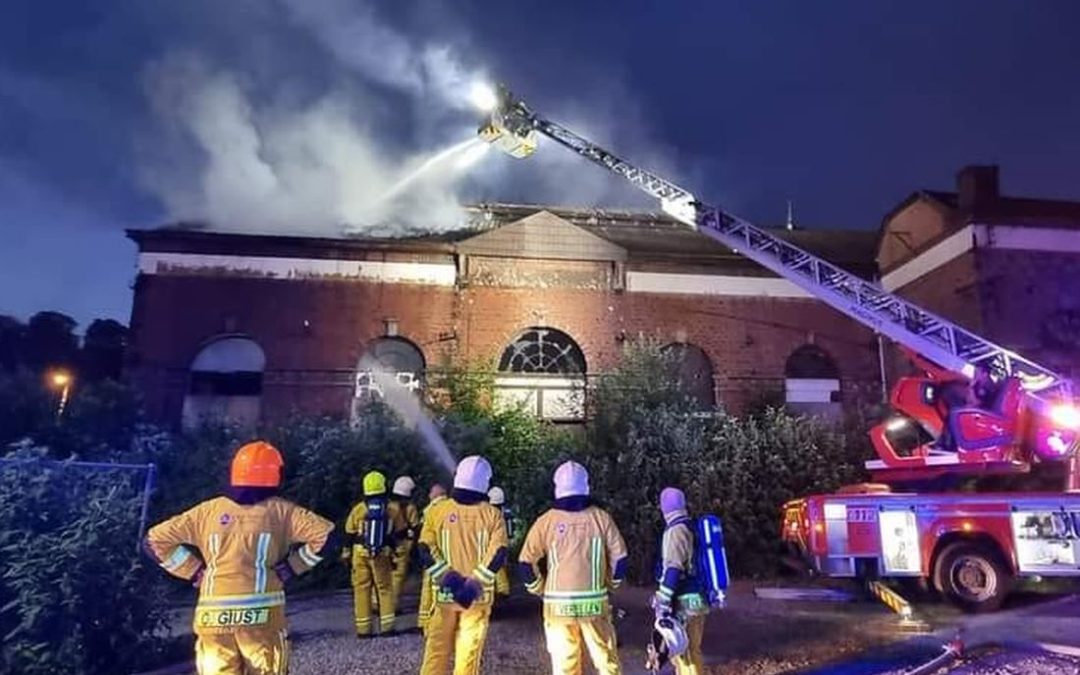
x=750 y=637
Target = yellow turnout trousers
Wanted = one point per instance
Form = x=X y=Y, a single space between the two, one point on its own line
x=401 y=569
x=569 y=639
x=502 y=582
x=690 y=662
x=247 y=651
x=455 y=633
x=427 y=603
x=372 y=572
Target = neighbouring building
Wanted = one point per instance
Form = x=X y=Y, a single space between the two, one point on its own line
x=1007 y=268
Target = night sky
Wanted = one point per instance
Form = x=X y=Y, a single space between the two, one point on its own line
x=134 y=114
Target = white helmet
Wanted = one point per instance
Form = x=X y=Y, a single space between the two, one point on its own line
x=496 y=496
x=673 y=634
x=403 y=487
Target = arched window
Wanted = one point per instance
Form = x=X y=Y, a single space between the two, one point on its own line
x=226 y=379
x=543 y=369
x=694 y=370
x=393 y=357
x=812 y=382
x=543 y=350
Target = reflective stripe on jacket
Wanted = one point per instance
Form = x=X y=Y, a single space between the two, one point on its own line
x=581 y=548
x=240 y=544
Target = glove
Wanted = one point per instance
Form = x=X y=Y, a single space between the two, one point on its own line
x=196 y=579
x=452 y=582
x=284 y=571
x=660 y=606
x=469 y=592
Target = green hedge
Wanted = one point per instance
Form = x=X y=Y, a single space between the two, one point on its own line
x=75 y=596
x=647 y=434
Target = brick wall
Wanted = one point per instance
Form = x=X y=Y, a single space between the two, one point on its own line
x=310 y=366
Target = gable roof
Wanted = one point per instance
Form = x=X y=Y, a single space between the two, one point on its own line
x=542 y=235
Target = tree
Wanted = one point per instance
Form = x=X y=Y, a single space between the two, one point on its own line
x=12 y=338
x=102 y=355
x=50 y=341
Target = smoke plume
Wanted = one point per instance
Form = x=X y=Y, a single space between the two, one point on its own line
x=377 y=143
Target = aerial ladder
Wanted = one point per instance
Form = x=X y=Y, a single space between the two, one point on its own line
x=1032 y=419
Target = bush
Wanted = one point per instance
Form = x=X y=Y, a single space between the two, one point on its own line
x=647 y=434
x=74 y=594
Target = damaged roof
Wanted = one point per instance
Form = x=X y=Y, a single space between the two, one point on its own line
x=645 y=236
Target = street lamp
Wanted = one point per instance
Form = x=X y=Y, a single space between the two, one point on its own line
x=61 y=379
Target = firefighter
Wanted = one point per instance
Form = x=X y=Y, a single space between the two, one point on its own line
x=681 y=593
x=239 y=550
x=498 y=499
x=462 y=546
x=427 y=597
x=586 y=560
x=372 y=530
x=401 y=494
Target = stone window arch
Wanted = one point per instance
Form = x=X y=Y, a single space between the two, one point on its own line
x=225 y=383
x=543 y=369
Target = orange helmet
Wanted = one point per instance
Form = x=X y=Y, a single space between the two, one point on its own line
x=257 y=464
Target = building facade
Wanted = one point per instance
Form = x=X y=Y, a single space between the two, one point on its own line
x=251 y=326
x=1004 y=267
x=258 y=326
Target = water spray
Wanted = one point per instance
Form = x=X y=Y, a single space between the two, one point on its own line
x=406 y=404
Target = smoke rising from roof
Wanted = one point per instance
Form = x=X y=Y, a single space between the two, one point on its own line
x=246 y=144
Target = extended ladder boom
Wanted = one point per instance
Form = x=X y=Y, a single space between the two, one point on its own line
x=937 y=339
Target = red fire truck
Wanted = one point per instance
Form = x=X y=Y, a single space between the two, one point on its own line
x=969 y=543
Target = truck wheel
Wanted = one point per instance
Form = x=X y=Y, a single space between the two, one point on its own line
x=972 y=576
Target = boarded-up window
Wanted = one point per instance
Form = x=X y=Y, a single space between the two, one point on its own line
x=225 y=384
x=812 y=382
x=694 y=371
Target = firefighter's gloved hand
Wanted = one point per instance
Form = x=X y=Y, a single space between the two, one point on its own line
x=469 y=593
x=284 y=571
x=196 y=579
x=660 y=605
x=452 y=582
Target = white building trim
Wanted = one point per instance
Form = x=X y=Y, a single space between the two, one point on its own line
x=438 y=274
x=950 y=248
x=1008 y=237
x=712 y=284
x=1053 y=240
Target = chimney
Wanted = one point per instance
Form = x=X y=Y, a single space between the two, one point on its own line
x=976 y=187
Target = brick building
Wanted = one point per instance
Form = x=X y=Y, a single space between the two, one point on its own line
x=250 y=326
x=256 y=325
x=1007 y=268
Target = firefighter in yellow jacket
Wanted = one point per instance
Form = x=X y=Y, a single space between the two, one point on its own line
x=680 y=592
x=373 y=530
x=427 y=596
x=586 y=559
x=401 y=494
x=239 y=550
x=462 y=547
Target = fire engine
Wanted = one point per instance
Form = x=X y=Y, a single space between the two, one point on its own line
x=920 y=518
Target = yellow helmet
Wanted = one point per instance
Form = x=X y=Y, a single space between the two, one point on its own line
x=374 y=484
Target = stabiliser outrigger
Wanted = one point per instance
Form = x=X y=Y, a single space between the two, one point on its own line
x=1031 y=420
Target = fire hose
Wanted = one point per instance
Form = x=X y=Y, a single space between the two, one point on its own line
x=955 y=650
